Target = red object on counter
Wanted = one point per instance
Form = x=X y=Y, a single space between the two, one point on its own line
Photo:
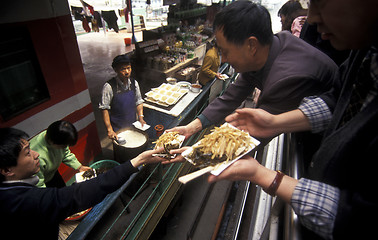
x=159 y=130
x=127 y=41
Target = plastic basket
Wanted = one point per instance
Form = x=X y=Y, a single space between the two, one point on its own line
x=107 y=164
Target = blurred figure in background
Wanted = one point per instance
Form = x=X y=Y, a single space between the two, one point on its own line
x=293 y=16
x=210 y=65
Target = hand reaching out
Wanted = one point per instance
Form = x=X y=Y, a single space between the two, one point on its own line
x=178 y=158
x=258 y=122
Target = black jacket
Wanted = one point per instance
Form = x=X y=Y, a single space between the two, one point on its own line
x=29 y=212
x=348 y=159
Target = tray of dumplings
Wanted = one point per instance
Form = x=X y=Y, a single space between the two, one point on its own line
x=166 y=94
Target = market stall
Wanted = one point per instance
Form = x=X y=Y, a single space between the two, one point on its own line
x=169 y=52
x=129 y=219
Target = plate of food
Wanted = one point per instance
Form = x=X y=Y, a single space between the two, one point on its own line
x=218 y=150
x=184 y=84
x=84 y=176
x=224 y=77
x=169 y=140
x=164 y=93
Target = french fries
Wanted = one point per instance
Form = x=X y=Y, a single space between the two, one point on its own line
x=226 y=141
x=167 y=138
x=222 y=145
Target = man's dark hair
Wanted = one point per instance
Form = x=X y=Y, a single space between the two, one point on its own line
x=62 y=133
x=10 y=147
x=243 y=19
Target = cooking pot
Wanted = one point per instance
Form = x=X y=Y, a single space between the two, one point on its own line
x=136 y=142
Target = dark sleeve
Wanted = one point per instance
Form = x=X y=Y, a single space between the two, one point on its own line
x=222 y=106
x=346 y=70
x=358 y=204
x=330 y=97
x=63 y=202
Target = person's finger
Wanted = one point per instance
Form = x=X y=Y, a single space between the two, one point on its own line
x=178 y=151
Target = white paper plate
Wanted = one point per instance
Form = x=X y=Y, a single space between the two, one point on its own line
x=181 y=139
x=79 y=176
x=224 y=77
x=220 y=167
x=138 y=125
x=184 y=84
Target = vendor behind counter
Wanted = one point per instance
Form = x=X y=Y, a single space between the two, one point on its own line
x=210 y=65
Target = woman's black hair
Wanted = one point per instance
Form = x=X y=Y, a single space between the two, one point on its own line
x=291 y=9
x=10 y=147
x=62 y=133
x=211 y=44
x=243 y=19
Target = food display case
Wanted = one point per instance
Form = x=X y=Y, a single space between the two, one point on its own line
x=167 y=53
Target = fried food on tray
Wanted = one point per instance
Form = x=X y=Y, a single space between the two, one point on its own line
x=222 y=144
x=169 y=140
x=90 y=173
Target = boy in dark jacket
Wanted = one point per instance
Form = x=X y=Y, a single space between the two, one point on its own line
x=25 y=208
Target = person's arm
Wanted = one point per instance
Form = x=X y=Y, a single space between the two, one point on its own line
x=147 y=157
x=66 y=201
x=139 y=110
x=249 y=169
x=231 y=99
x=104 y=105
x=139 y=103
x=70 y=159
x=317 y=112
x=188 y=130
x=108 y=125
x=260 y=123
x=314 y=202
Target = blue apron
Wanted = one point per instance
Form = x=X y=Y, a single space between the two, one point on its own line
x=123 y=109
